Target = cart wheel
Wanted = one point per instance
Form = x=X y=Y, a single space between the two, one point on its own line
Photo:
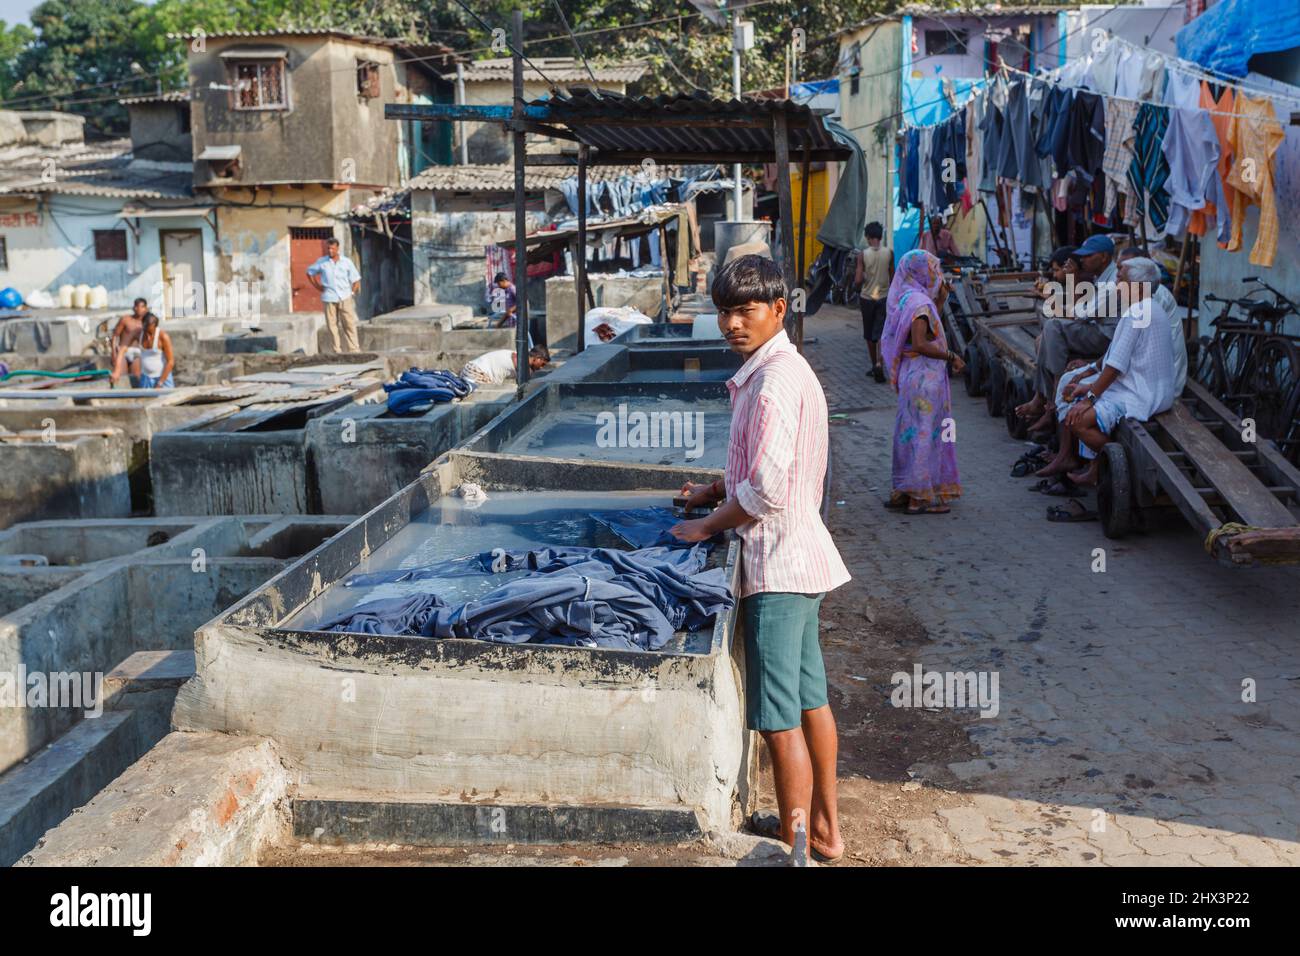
x=995 y=397
x=1115 y=492
x=1017 y=393
x=974 y=372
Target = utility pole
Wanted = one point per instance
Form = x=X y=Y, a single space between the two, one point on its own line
x=521 y=212
x=460 y=100
x=742 y=38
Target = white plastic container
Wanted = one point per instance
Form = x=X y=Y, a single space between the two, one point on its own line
x=99 y=297
x=81 y=296
x=65 y=296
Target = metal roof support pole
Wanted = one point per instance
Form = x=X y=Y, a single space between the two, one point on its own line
x=781 y=136
x=521 y=213
x=580 y=257
x=804 y=167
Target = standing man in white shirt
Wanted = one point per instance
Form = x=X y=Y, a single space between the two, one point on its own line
x=338 y=281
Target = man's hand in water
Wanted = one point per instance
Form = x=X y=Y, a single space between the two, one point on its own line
x=692 y=531
x=698 y=496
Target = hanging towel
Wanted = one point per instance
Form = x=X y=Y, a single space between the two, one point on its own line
x=1149 y=169
x=1254 y=135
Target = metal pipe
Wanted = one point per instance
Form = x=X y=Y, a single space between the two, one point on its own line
x=460 y=101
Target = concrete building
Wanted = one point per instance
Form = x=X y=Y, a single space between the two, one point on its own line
x=921 y=63
x=97 y=214
x=289 y=132
x=490 y=83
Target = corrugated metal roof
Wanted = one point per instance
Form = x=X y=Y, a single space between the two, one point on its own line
x=560 y=69
x=420 y=48
x=102 y=169
x=489 y=178
x=687 y=125
x=175 y=96
x=928 y=10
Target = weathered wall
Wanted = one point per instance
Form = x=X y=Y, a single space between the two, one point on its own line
x=293 y=145
x=448 y=250
x=52 y=243
x=254 y=246
x=879 y=53
x=159 y=132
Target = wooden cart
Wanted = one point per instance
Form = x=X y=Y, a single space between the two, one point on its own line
x=1241 y=496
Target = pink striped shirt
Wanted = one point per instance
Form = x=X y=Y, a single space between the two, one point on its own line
x=776 y=463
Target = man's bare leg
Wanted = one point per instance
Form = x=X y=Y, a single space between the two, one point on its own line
x=1032 y=408
x=823 y=745
x=792 y=773
x=1065 y=460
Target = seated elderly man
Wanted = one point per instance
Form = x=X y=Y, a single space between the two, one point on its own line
x=1080 y=371
x=1086 y=333
x=1137 y=372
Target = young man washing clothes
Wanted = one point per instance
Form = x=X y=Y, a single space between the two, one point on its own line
x=771 y=495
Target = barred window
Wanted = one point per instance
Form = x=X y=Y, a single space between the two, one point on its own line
x=259 y=85
x=368 y=78
x=110 y=245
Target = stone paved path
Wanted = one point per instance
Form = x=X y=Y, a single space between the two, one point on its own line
x=1122 y=737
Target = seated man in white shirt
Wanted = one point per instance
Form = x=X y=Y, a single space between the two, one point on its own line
x=1080 y=372
x=498 y=366
x=1137 y=372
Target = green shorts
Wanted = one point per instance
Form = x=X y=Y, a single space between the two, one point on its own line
x=784 y=672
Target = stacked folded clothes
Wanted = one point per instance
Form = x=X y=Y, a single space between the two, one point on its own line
x=419 y=389
x=589 y=597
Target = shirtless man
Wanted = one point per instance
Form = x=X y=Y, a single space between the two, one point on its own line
x=126 y=333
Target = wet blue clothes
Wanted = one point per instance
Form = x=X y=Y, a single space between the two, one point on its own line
x=597 y=597
x=417 y=390
x=641 y=527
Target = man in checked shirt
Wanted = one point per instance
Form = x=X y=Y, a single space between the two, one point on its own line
x=771 y=495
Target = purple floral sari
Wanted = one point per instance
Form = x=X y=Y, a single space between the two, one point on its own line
x=925 y=464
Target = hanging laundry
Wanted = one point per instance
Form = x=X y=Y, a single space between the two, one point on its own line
x=1254 y=136
x=1149 y=169
x=1191 y=149
x=1118 y=157
x=992 y=130
x=1216 y=208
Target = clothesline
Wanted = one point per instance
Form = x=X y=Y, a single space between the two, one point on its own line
x=1210 y=76
x=985 y=83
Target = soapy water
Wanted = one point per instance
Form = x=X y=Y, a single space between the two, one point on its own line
x=453 y=528
x=647 y=430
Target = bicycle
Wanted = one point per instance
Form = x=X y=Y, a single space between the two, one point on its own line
x=1250 y=364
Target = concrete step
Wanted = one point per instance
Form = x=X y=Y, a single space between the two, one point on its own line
x=412 y=820
x=36 y=795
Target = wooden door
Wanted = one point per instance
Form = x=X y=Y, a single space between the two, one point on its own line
x=306 y=245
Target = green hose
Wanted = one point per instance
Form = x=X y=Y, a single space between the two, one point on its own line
x=92 y=373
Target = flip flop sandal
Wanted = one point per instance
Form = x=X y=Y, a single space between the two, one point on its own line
x=893 y=505
x=1070 y=513
x=1042 y=484
x=767 y=824
x=1062 y=488
x=1023 y=467
x=927 y=510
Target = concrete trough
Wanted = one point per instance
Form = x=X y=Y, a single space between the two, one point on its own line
x=68 y=473
x=107 y=632
x=253 y=461
x=682 y=423
x=361 y=454
x=443 y=741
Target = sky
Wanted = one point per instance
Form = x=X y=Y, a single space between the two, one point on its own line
x=16 y=11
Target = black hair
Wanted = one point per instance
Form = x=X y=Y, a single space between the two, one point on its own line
x=875 y=231
x=748 y=279
x=331 y=241
x=149 y=319
x=1062 y=255
x=141 y=301
x=499 y=277
x=541 y=352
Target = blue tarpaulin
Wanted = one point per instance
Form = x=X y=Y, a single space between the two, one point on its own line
x=1226 y=36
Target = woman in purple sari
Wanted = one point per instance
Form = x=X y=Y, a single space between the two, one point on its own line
x=916 y=353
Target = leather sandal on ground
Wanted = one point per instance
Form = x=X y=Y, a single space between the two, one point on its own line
x=1070 y=512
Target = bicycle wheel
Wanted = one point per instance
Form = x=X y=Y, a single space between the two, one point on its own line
x=1236 y=350
x=1276 y=369
x=1209 y=369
